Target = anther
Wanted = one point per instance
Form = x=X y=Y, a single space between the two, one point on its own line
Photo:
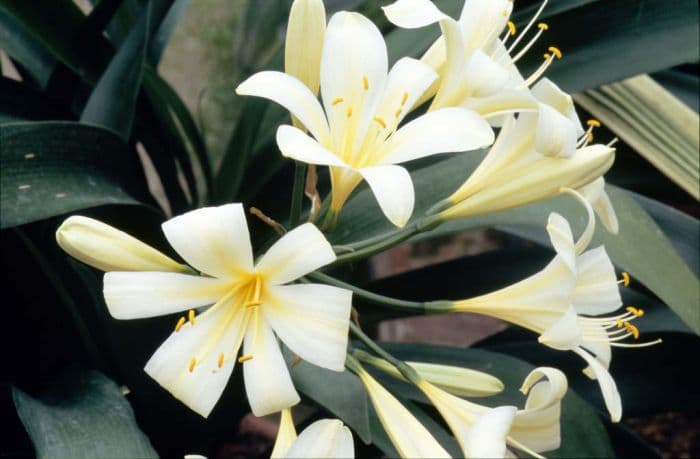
x=397 y=113
x=637 y=312
x=193 y=362
x=190 y=316
x=337 y=101
x=404 y=98
x=511 y=27
x=632 y=329
x=625 y=279
x=245 y=358
x=365 y=82
x=348 y=113
x=589 y=137
x=180 y=323
x=593 y=123
x=543 y=26
x=620 y=324
x=554 y=50
x=547 y=55
x=253 y=303
x=380 y=121
x=220 y=361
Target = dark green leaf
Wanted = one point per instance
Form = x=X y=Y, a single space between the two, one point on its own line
x=50 y=168
x=685 y=86
x=20 y=44
x=84 y=415
x=161 y=36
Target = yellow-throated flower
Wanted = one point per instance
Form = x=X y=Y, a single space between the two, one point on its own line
x=355 y=131
x=557 y=301
x=484 y=432
x=251 y=306
x=327 y=438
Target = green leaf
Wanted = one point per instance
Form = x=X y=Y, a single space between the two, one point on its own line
x=650 y=119
x=50 y=168
x=683 y=85
x=85 y=415
x=161 y=36
x=20 y=44
x=113 y=100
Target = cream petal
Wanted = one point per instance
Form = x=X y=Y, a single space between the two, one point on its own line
x=453 y=88
x=407 y=81
x=327 y=438
x=445 y=130
x=295 y=144
x=297 y=253
x=503 y=102
x=595 y=193
x=485 y=76
x=215 y=240
x=219 y=330
x=562 y=239
x=596 y=289
x=267 y=381
x=556 y=134
x=601 y=349
x=286 y=435
x=312 y=320
x=549 y=93
x=393 y=188
x=607 y=385
x=482 y=21
x=304 y=42
x=487 y=436
x=413 y=14
x=135 y=295
x=291 y=94
x=564 y=334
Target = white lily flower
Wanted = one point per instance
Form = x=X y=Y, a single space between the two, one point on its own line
x=106 y=248
x=553 y=301
x=251 y=305
x=595 y=193
x=484 y=432
x=356 y=131
x=327 y=438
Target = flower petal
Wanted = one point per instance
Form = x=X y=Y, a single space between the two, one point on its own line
x=407 y=81
x=485 y=76
x=214 y=240
x=482 y=21
x=304 y=42
x=135 y=295
x=607 y=385
x=413 y=14
x=549 y=93
x=446 y=130
x=300 y=251
x=219 y=330
x=286 y=435
x=564 y=334
x=393 y=188
x=597 y=291
x=595 y=193
x=293 y=95
x=327 y=438
x=312 y=320
x=293 y=143
x=556 y=134
x=267 y=382
x=452 y=89
x=562 y=239
x=487 y=436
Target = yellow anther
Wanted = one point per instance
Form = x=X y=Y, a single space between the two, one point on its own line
x=245 y=358
x=625 y=279
x=180 y=323
x=255 y=300
x=380 y=121
x=632 y=329
x=252 y=303
x=554 y=50
x=397 y=113
x=404 y=98
x=543 y=26
x=337 y=101
x=547 y=55
x=593 y=122
x=511 y=27
x=620 y=324
x=589 y=137
x=349 y=112
x=635 y=311
x=193 y=362
x=365 y=82
x=220 y=361
x=190 y=316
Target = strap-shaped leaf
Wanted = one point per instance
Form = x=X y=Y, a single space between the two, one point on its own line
x=50 y=168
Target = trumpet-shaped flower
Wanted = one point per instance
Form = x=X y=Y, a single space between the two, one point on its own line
x=553 y=303
x=356 y=130
x=327 y=438
x=484 y=432
x=251 y=307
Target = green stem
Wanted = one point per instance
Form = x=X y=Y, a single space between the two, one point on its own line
x=409 y=373
x=424 y=307
x=297 y=194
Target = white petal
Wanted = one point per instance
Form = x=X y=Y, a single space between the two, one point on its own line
x=267 y=382
x=549 y=93
x=219 y=330
x=452 y=89
x=565 y=333
x=135 y=295
x=327 y=438
x=607 y=385
x=407 y=81
x=483 y=20
x=446 y=130
x=562 y=239
x=293 y=143
x=597 y=289
x=293 y=95
x=503 y=102
x=413 y=14
x=215 y=240
x=393 y=188
x=556 y=134
x=487 y=437
x=485 y=76
x=304 y=42
x=312 y=320
x=600 y=348
x=595 y=193
x=297 y=253
x=286 y=435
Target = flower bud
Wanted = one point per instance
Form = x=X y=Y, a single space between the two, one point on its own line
x=304 y=42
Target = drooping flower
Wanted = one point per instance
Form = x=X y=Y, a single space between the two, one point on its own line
x=556 y=301
x=327 y=438
x=251 y=307
x=356 y=131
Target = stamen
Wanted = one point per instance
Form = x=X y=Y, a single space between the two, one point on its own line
x=635 y=311
x=398 y=111
x=632 y=329
x=348 y=113
x=365 y=82
x=220 y=361
x=190 y=316
x=193 y=362
x=647 y=344
x=555 y=51
x=538 y=73
x=337 y=101
x=181 y=321
x=612 y=142
x=543 y=26
x=511 y=27
x=255 y=300
x=527 y=27
x=625 y=279
x=245 y=358
x=404 y=98
x=380 y=121
x=620 y=323
x=593 y=122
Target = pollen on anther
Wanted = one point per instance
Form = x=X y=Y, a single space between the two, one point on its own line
x=619 y=323
x=245 y=358
x=632 y=329
x=192 y=364
x=348 y=113
x=404 y=98
x=637 y=312
x=593 y=122
x=511 y=27
x=337 y=101
x=190 y=316
x=220 y=361
x=547 y=55
x=543 y=26
x=556 y=51
x=397 y=113
x=589 y=137
x=625 y=279
x=365 y=82
x=380 y=121
x=180 y=323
